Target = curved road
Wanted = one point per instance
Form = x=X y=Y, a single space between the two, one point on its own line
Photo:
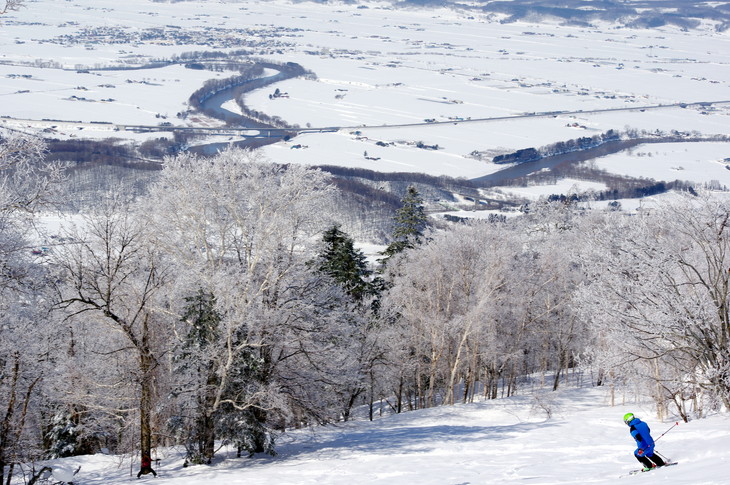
x=267 y=132
x=273 y=132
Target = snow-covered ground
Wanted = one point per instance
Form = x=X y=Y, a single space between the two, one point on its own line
x=376 y=66
x=492 y=442
x=696 y=162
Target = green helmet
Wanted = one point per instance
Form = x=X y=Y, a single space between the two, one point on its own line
x=628 y=417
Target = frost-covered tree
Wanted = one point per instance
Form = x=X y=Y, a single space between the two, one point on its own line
x=347 y=266
x=25 y=347
x=111 y=278
x=484 y=303
x=661 y=301
x=441 y=305
x=545 y=278
x=63 y=437
x=28 y=184
x=244 y=230
x=195 y=375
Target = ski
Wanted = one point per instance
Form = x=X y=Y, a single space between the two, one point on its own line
x=641 y=470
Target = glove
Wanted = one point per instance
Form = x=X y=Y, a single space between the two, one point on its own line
x=640 y=452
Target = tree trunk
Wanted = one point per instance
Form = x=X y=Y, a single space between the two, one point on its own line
x=145 y=428
x=432 y=379
x=207 y=438
x=5 y=426
x=11 y=466
x=146 y=362
x=371 y=394
x=351 y=402
x=206 y=425
x=454 y=370
x=562 y=362
x=419 y=394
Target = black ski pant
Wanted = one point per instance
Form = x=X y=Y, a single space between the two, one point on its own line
x=145 y=471
x=650 y=461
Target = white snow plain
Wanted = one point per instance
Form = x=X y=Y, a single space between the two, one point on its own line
x=376 y=66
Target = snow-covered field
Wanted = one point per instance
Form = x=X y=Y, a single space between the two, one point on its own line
x=697 y=162
x=494 y=442
x=376 y=66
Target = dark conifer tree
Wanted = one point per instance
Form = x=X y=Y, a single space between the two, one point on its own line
x=195 y=361
x=198 y=360
x=343 y=262
x=410 y=224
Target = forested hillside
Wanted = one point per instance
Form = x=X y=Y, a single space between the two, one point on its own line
x=227 y=304
x=411 y=241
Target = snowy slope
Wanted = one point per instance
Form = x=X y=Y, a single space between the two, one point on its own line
x=502 y=441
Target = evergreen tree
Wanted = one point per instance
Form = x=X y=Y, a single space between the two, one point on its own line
x=347 y=266
x=342 y=261
x=200 y=313
x=216 y=417
x=246 y=426
x=410 y=224
x=195 y=361
x=62 y=438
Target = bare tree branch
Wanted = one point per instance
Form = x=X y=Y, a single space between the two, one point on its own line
x=12 y=5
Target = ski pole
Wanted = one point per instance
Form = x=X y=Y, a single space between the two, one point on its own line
x=666 y=460
x=667 y=431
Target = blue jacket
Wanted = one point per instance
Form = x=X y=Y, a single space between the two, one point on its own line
x=641 y=433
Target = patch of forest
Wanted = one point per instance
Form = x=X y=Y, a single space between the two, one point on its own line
x=567 y=160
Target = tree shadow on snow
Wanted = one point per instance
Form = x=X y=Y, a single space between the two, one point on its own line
x=399 y=439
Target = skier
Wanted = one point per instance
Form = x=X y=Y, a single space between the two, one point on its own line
x=146 y=466
x=645 y=443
